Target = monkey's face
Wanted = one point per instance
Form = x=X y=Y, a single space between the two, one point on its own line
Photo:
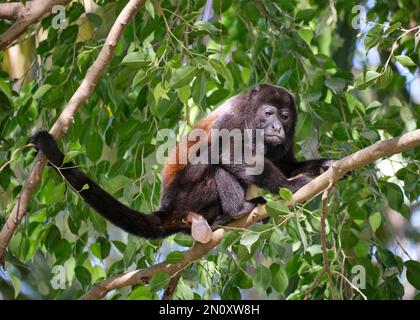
x=276 y=115
x=275 y=123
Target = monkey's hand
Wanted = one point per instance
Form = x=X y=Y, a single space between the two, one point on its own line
x=327 y=163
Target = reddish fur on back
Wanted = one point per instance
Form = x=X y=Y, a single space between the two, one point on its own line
x=172 y=166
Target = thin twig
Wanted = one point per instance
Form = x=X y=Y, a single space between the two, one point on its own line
x=170 y=289
x=324 y=239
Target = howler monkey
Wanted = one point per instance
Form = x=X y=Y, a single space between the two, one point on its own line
x=210 y=190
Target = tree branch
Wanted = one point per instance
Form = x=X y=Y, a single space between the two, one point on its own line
x=25 y=16
x=11 y=10
x=170 y=289
x=66 y=119
x=339 y=169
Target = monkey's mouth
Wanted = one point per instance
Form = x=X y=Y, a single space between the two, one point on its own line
x=274 y=138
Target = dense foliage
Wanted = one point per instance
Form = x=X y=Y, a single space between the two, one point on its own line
x=174 y=64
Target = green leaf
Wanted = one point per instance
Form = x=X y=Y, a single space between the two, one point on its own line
x=199 y=88
x=354 y=103
x=98 y=273
x=285 y=194
x=413 y=273
x=160 y=93
x=143 y=76
x=373 y=37
x=41 y=91
x=96 y=250
x=217 y=96
x=69 y=156
x=335 y=84
x=183 y=291
x=304 y=127
x=175 y=257
x=305 y=15
x=136 y=60
x=182 y=76
x=83 y=275
x=94 y=18
x=184 y=93
x=159 y=281
x=249 y=239
x=94 y=146
x=279 y=278
x=183 y=240
x=241 y=58
x=206 y=26
x=261 y=278
x=276 y=208
x=150 y=8
x=393 y=28
x=348 y=238
x=394 y=196
x=16 y=284
x=365 y=80
x=386 y=78
x=229 y=239
x=387 y=258
x=53 y=237
x=405 y=61
x=375 y=220
x=62 y=250
x=222 y=70
x=140 y=293
x=130 y=251
x=356 y=211
x=55 y=194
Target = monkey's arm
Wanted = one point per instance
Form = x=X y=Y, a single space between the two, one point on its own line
x=309 y=168
x=271 y=178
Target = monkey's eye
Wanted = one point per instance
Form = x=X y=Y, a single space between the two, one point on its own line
x=269 y=112
x=284 y=116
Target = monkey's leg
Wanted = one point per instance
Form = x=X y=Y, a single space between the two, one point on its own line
x=232 y=195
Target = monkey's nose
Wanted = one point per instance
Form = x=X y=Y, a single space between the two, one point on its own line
x=276 y=127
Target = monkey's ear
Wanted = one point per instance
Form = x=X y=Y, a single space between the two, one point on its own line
x=253 y=92
x=255 y=89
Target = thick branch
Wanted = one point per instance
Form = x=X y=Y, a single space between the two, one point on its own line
x=341 y=167
x=11 y=10
x=26 y=15
x=66 y=119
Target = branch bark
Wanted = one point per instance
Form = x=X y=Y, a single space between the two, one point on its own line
x=66 y=118
x=354 y=161
x=170 y=289
x=11 y=10
x=25 y=16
